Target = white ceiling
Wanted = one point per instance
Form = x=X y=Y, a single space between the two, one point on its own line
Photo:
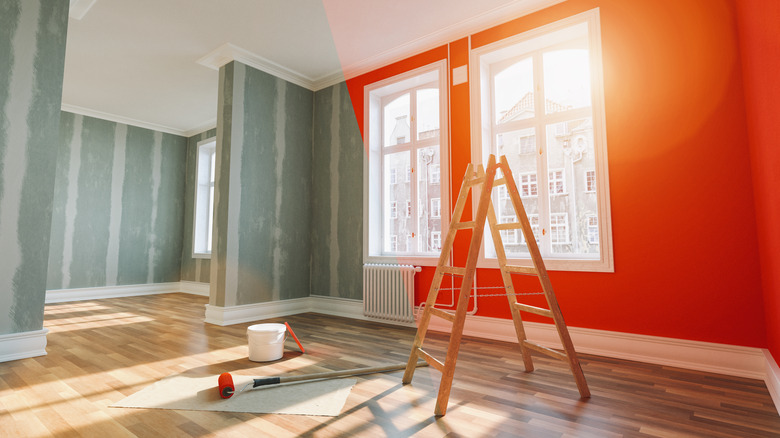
x=152 y=63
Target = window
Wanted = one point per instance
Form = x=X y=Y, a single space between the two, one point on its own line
x=435 y=207
x=433 y=174
x=556 y=182
x=528 y=185
x=559 y=228
x=436 y=239
x=204 y=198
x=509 y=237
x=590 y=181
x=541 y=92
x=406 y=138
x=593 y=230
x=393 y=243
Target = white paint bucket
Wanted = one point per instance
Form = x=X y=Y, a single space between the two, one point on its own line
x=266 y=341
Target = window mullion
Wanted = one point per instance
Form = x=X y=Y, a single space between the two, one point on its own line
x=543 y=198
x=413 y=196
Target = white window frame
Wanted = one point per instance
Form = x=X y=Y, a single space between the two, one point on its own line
x=480 y=60
x=372 y=164
x=203 y=211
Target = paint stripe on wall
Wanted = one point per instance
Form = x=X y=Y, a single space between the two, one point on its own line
x=117 y=212
x=337 y=215
x=32 y=54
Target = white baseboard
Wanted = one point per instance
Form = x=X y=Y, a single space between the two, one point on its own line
x=129 y=290
x=772 y=378
x=335 y=306
x=194 y=288
x=97 y=293
x=703 y=356
x=253 y=312
x=23 y=345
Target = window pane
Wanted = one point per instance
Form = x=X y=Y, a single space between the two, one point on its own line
x=396 y=121
x=396 y=196
x=570 y=157
x=514 y=92
x=566 y=80
x=427 y=113
x=521 y=142
x=428 y=192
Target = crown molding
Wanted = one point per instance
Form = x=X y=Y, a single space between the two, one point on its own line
x=229 y=52
x=122 y=119
x=79 y=8
x=472 y=25
x=203 y=127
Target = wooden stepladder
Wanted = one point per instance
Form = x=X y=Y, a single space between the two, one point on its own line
x=487 y=179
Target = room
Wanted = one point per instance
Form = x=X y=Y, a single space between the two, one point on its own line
x=685 y=98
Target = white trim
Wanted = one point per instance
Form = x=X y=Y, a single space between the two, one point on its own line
x=122 y=119
x=337 y=306
x=201 y=128
x=481 y=138
x=772 y=378
x=23 y=345
x=98 y=293
x=195 y=288
x=229 y=52
x=252 y=312
x=79 y=8
x=703 y=356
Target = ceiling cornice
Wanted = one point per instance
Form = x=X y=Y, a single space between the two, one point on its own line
x=229 y=52
x=79 y=8
x=125 y=120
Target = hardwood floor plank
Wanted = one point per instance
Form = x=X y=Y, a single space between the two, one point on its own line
x=99 y=352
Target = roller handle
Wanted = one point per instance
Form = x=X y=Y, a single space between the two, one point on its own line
x=266 y=381
x=332 y=374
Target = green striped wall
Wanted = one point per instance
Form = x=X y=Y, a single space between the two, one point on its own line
x=118 y=205
x=261 y=249
x=32 y=55
x=337 y=196
x=193 y=269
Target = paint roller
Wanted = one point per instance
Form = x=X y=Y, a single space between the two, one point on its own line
x=227 y=388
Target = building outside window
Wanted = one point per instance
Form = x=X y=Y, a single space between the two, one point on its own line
x=204 y=198
x=406 y=135
x=542 y=92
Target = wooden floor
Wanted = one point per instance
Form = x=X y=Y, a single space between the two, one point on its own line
x=99 y=352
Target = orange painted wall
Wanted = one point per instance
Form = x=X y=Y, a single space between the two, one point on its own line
x=760 y=49
x=684 y=233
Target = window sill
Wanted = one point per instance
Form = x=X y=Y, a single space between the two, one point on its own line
x=403 y=260
x=201 y=255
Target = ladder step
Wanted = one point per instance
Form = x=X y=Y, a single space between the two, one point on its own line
x=499 y=182
x=509 y=226
x=531 y=309
x=526 y=270
x=462 y=225
x=544 y=350
x=432 y=361
x=452 y=270
x=475 y=181
x=442 y=314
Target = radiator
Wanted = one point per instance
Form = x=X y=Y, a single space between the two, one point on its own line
x=388 y=292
